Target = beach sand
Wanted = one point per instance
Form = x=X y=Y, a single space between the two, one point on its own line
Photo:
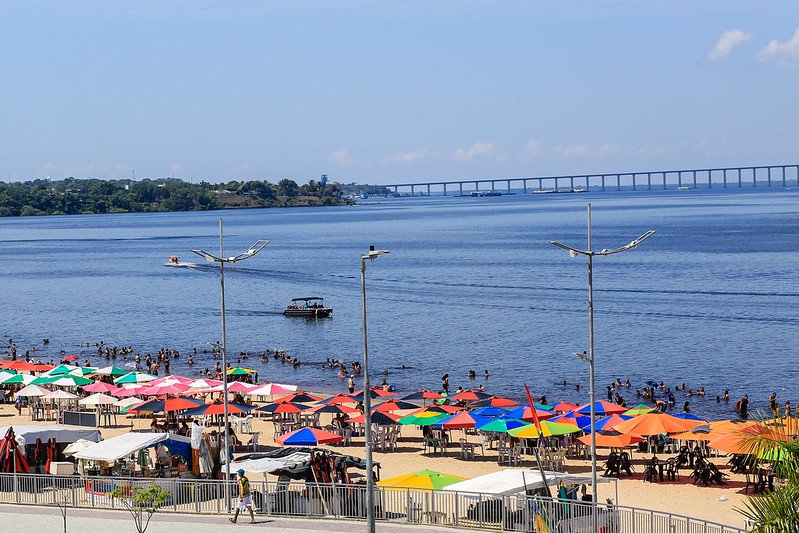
x=678 y=497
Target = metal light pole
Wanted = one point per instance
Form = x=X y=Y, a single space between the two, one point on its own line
x=367 y=399
x=574 y=252
x=221 y=259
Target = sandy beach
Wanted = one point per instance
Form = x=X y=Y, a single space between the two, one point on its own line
x=715 y=504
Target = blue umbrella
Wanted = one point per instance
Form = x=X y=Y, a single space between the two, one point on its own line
x=687 y=416
x=573 y=418
x=491 y=412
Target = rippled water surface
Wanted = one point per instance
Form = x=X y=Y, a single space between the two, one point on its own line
x=471 y=283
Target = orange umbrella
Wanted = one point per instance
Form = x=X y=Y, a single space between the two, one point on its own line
x=703 y=433
x=611 y=439
x=733 y=442
x=655 y=423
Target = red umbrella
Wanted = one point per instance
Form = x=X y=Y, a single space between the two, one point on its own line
x=336 y=408
x=307 y=437
x=217 y=407
x=565 y=407
x=496 y=401
x=299 y=397
x=165 y=404
x=395 y=405
x=22 y=366
x=282 y=407
x=459 y=421
x=339 y=399
x=99 y=386
x=11 y=454
x=470 y=396
x=70 y=358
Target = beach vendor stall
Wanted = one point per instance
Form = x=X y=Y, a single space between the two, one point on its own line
x=44 y=445
x=156 y=455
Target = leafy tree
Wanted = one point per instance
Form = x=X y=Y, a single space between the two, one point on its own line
x=143 y=503
x=778 y=511
x=287 y=187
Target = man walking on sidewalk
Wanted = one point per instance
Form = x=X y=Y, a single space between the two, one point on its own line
x=245 y=501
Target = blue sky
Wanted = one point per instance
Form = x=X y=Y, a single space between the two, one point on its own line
x=388 y=91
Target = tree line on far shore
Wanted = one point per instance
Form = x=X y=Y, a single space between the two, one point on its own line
x=72 y=196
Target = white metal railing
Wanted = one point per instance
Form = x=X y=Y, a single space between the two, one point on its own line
x=452 y=509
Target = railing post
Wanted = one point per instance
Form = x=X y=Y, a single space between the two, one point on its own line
x=457 y=510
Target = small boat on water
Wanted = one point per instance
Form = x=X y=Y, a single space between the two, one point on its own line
x=308 y=307
x=174 y=261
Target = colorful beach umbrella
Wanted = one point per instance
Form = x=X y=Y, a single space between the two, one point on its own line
x=548 y=428
x=98 y=386
x=32 y=390
x=167 y=404
x=495 y=401
x=491 y=412
x=240 y=386
x=423 y=394
x=395 y=405
x=573 y=418
x=206 y=383
x=655 y=423
x=499 y=425
x=424 y=479
x=71 y=381
x=270 y=389
x=70 y=358
x=99 y=398
x=299 y=397
x=110 y=371
x=470 y=396
x=60 y=370
x=688 y=416
x=20 y=379
x=339 y=399
x=611 y=439
x=380 y=419
x=24 y=366
x=459 y=420
x=217 y=407
x=601 y=408
x=607 y=423
x=308 y=437
x=427 y=418
x=134 y=377
x=238 y=371
x=333 y=408
x=565 y=407
x=639 y=409
x=83 y=371
x=282 y=407
x=523 y=412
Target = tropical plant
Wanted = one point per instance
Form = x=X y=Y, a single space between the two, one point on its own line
x=774 y=440
x=142 y=503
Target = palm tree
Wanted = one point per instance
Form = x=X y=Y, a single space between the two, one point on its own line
x=778 y=511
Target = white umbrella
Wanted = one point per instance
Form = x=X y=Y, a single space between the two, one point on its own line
x=272 y=388
x=58 y=395
x=125 y=402
x=77 y=446
x=98 y=399
x=5 y=374
x=33 y=390
x=204 y=383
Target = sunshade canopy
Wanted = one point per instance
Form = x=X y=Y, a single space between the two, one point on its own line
x=424 y=479
x=125 y=445
x=514 y=481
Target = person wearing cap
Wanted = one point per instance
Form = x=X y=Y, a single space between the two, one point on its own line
x=245 y=502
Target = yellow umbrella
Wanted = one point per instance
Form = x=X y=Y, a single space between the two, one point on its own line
x=425 y=479
x=549 y=429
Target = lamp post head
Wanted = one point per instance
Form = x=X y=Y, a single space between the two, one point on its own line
x=374 y=254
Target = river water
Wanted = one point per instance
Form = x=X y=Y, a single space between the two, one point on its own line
x=471 y=283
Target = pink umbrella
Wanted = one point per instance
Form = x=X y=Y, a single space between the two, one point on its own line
x=270 y=389
x=122 y=392
x=240 y=386
x=204 y=383
x=175 y=388
x=99 y=386
x=169 y=380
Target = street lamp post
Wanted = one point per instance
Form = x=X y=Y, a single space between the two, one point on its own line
x=221 y=259
x=367 y=399
x=590 y=253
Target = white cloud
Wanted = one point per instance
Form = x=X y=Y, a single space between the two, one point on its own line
x=784 y=54
x=341 y=157
x=728 y=41
x=483 y=150
x=572 y=150
x=532 y=147
x=407 y=157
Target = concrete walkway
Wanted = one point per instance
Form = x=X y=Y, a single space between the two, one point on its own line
x=48 y=519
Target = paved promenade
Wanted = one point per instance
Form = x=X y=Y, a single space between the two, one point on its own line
x=41 y=519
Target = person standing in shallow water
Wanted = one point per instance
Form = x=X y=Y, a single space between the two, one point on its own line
x=445 y=383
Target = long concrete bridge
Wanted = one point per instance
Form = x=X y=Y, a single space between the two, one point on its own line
x=750 y=176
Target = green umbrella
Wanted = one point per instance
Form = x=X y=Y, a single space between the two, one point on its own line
x=639 y=409
x=82 y=371
x=426 y=479
x=110 y=371
x=41 y=380
x=238 y=371
x=423 y=419
x=134 y=377
x=70 y=381
x=550 y=429
x=24 y=379
x=60 y=370
x=501 y=425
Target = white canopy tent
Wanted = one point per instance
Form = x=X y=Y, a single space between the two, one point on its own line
x=124 y=445
x=514 y=481
x=29 y=434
